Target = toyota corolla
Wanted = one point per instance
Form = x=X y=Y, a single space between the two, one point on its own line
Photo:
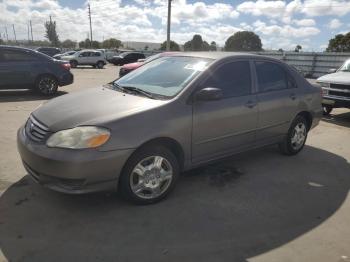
x=175 y=113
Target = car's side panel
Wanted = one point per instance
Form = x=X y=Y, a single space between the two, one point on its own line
x=223 y=126
x=276 y=110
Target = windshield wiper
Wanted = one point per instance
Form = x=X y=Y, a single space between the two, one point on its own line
x=139 y=91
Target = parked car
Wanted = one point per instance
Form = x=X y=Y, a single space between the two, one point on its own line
x=126 y=58
x=50 y=51
x=25 y=68
x=58 y=56
x=127 y=68
x=173 y=114
x=86 y=57
x=336 y=88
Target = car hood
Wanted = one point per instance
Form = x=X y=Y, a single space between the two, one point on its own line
x=338 y=77
x=95 y=106
x=132 y=65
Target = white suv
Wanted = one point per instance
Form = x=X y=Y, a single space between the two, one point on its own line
x=86 y=57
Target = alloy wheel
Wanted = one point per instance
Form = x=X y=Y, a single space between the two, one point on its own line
x=299 y=136
x=151 y=177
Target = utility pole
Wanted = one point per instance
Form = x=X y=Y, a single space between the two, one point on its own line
x=7 y=36
x=28 y=33
x=14 y=32
x=168 y=26
x=90 y=25
x=31 y=29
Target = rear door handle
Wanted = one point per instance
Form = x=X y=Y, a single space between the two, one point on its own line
x=292 y=96
x=250 y=104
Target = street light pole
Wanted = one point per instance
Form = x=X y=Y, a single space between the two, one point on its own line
x=168 y=27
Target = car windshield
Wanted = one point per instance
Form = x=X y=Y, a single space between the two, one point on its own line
x=345 y=67
x=165 y=76
x=151 y=58
x=124 y=54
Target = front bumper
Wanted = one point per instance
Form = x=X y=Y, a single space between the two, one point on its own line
x=71 y=171
x=336 y=101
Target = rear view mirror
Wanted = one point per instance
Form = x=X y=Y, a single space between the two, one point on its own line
x=332 y=70
x=209 y=94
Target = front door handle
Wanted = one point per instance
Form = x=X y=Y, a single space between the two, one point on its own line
x=292 y=96
x=250 y=104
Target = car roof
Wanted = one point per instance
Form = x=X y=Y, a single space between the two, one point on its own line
x=16 y=48
x=222 y=55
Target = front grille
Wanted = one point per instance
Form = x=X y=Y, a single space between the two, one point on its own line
x=335 y=93
x=35 y=130
x=340 y=86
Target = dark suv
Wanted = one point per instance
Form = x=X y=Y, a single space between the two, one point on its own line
x=50 y=51
x=24 y=68
x=126 y=58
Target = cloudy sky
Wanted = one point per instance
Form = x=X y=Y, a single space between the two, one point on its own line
x=280 y=24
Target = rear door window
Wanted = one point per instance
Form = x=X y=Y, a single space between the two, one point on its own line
x=19 y=56
x=234 y=79
x=271 y=77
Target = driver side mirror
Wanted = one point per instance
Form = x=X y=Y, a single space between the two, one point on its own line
x=208 y=94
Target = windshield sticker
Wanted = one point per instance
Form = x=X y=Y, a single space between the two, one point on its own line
x=200 y=66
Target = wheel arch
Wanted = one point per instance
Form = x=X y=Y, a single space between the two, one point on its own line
x=308 y=117
x=45 y=74
x=169 y=143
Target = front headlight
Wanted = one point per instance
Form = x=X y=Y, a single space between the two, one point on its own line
x=79 y=137
x=322 y=84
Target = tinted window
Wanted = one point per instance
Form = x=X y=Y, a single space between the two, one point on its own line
x=85 y=54
x=12 y=55
x=232 y=78
x=271 y=76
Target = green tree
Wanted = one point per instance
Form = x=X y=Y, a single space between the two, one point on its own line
x=68 y=43
x=95 y=44
x=243 y=41
x=51 y=33
x=1 y=41
x=146 y=48
x=85 y=43
x=340 y=43
x=197 y=44
x=111 y=43
x=298 y=48
x=173 y=46
x=213 y=46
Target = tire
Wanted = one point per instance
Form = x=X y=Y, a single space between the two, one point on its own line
x=296 y=137
x=73 y=64
x=46 y=85
x=327 y=109
x=100 y=64
x=142 y=181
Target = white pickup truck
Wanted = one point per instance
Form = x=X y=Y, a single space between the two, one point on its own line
x=336 y=88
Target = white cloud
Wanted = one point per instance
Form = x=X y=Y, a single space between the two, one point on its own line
x=285 y=30
x=304 y=22
x=334 y=23
x=326 y=7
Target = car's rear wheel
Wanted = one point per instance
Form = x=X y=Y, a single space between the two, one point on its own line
x=296 y=137
x=149 y=175
x=46 y=85
x=100 y=64
x=327 y=109
x=73 y=64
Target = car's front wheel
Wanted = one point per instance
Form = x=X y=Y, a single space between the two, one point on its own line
x=327 y=109
x=149 y=175
x=100 y=64
x=46 y=85
x=73 y=64
x=296 y=137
